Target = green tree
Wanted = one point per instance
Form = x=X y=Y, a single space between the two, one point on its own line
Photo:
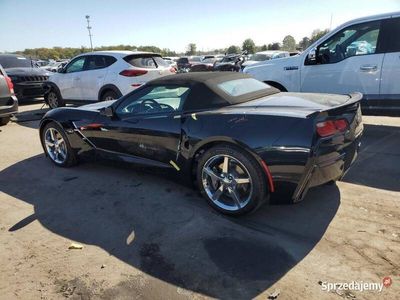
x=317 y=34
x=289 y=43
x=264 y=48
x=274 y=46
x=304 y=43
x=233 y=49
x=249 y=46
x=191 y=49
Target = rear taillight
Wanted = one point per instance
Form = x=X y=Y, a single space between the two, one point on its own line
x=10 y=84
x=328 y=128
x=172 y=70
x=132 y=73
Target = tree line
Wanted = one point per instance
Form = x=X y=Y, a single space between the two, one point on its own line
x=288 y=44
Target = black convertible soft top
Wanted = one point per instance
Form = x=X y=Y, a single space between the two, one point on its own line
x=205 y=89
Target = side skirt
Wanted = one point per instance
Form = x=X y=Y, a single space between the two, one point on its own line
x=121 y=157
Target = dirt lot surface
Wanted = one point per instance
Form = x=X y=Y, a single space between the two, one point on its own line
x=146 y=236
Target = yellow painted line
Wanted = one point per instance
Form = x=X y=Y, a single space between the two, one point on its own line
x=174 y=165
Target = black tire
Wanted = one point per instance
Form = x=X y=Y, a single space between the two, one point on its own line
x=71 y=158
x=4 y=121
x=109 y=95
x=54 y=99
x=259 y=193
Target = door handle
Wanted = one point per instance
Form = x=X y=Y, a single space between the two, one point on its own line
x=368 y=68
x=77 y=79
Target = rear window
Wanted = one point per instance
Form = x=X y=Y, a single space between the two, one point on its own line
x=146 y=61
x=15 y=62
x=239 y=87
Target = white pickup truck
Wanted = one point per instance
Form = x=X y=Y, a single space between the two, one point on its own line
x=362 y=55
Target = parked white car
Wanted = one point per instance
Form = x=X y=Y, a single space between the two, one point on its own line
x=361 y=55
x=103 y=75
x=264 y=56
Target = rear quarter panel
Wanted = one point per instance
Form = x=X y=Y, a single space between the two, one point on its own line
x=282 y=142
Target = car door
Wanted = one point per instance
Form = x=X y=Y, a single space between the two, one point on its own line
x=390 y=88
x=92 y=79
x=147 y=124
x=68 y=82
x=349 y=61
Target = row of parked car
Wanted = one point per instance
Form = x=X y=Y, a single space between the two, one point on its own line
x=361 y=55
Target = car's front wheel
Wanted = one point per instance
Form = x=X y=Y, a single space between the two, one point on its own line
x=231 y=180
x=53 y=99
x=56 y=145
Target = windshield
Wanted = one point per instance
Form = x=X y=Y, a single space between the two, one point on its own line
x=260 y=57
x=229 y=58
x=15 y=62
x=209 y=60
x=196 y=58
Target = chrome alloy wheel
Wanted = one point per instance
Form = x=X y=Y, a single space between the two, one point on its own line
x=52 y=99
x=55 y=145
x=227 y=182
x=108 y=98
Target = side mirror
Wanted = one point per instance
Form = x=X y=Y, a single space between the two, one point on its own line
x=312 y=55
x=107 y=111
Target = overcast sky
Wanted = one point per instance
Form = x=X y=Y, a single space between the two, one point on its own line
x=172 y=23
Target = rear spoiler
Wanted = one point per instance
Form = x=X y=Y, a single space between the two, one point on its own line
x=353 y=99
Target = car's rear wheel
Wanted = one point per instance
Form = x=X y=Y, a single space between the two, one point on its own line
x=54 y=99
x=109 y=95
x=231 y=180
x=57 y=146
x=4 y=121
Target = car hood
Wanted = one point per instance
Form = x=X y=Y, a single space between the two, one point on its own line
x=286 y=62
x=250 y=62
x=27 y=72
x=96 y=106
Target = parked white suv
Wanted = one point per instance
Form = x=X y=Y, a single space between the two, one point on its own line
x=362 y=55
x=103 y=75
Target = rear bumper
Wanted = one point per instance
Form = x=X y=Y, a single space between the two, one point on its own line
x=8 y=106
x=323 y=169
x=29 y=89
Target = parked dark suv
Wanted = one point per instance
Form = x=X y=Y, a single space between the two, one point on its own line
x=26 y=76
x=8 y=101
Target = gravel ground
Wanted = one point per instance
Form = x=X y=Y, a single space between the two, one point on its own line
x=146 y=236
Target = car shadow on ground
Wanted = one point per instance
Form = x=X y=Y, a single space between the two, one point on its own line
x=166 y=230
x=379 y=154
x=31 y=118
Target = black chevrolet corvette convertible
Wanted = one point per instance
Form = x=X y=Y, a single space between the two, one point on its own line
x=239 y=139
